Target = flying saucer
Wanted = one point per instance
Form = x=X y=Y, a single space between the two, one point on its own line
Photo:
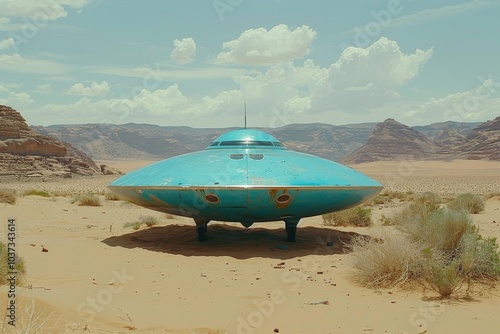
x=246 y=176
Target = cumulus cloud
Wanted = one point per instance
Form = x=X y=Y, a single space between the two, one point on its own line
x=42 y=10
x=481 y=102
x=381 y=64
x=15 y=99
x=366 y=78
x=263 y=48
x=95 y=89
x=359 y=81
x=155 y=106
x=7 y=43
x=184 y=51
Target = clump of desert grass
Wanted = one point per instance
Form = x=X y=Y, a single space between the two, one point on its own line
x=19 y=266
x=357 y=216
x=389 y=196
x=470 y=202
x=86 y=200
x=110 y=196
x=34 y=192
x=432 y=245
x=8 y=196
x=147 y=220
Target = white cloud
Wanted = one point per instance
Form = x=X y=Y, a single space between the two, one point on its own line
x=153 y=76
x=155 y=106
x=7 y=87
x=262 y=47
x=381 y=64
x=41 y=10
x=184 y=51
x=360 y=81
x=95 y=89
x=366 y=78
x=44 y=88
x=476 y=104
x=7 y=43
x=16 y=63
x=437 y=13
x=15 y=99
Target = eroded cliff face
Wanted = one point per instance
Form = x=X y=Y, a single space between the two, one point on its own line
x=23 y=152
x=483 y=142
x=17 y=138
x=391 y=140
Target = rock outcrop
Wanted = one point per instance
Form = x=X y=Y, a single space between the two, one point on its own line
x=17 y=138
x=391 y=140
x=483 y=142
x=24 y=152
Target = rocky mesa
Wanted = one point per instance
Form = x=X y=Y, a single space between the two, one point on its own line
x=23 y=152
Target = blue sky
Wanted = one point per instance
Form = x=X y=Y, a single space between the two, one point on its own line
x=195 y=62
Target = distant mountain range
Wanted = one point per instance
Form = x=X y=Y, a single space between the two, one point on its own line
x=350 y=143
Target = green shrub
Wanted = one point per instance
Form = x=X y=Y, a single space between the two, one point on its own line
x=134 y=225
x=4 y=265
x=470 y=202
x=357 y=216
x=8 y=196
x=89 y=200
x=442 y=273
x=36 y=193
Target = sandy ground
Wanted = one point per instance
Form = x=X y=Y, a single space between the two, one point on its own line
x=100 y=277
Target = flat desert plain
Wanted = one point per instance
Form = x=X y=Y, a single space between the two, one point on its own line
x=98 y=276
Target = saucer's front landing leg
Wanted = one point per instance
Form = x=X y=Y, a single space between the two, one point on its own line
x=201 y=228
x=291 y=229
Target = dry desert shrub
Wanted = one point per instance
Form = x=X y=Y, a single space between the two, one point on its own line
x=87 y=200
x=31 y=320
x=449 y=251
x=110 y=196
x=8 y=196
x=148 y=220
x=386 y=261
x=357 y=216
x=470 y=202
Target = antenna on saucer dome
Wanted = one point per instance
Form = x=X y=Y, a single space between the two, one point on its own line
x=245 y=108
